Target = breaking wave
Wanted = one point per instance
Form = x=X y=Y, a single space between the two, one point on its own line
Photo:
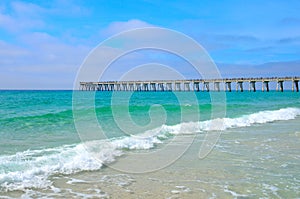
x=32 y=168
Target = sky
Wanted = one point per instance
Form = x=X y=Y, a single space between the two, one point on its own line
x=44 y=43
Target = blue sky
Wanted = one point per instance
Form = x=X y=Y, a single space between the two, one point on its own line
x=43 y=43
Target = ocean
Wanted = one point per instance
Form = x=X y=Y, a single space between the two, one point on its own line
x=82 y=144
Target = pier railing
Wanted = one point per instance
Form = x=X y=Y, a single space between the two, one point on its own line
x=192 y=84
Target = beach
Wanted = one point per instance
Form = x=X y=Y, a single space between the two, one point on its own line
x=42 y=155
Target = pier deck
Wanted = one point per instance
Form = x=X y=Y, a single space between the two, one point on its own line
x=192 y=84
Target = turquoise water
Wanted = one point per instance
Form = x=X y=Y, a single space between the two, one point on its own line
x=44 y=118
x=39 y=139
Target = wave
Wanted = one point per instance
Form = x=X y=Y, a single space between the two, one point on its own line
x=226 y=123
x=19 y=115
x=35 y=116
x=32 y=168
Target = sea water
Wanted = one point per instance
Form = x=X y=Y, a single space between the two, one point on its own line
x=44 y=136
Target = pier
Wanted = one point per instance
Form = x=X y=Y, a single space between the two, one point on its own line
x=193 y=85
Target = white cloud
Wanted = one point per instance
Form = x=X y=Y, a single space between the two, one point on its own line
x=70 y=8
x=34 y=57
x=26 y=9
x=18 y=16
x=6 y=22
x=21 y=16
x=43 y=58
x=11 y=51
x=119 y=26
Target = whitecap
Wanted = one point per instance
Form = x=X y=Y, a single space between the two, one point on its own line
x=31 y=168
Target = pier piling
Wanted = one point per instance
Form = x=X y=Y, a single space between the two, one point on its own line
x=217 y=86
x=239 y=86
x=190 y=85
x=279 y=85
x=252 y=86
x=187 y=86
x=196 y=86
x=205 y=86
x=228 y=86
x=295 y=84
x=265 y=85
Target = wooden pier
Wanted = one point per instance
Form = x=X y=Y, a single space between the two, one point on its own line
x=192 y=85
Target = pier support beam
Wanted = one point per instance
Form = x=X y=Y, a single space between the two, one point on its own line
x=177 y=86
x=217 y=86
x=228 y=86
x=265 y=85
x=205 y=86
x=138 y=87
x=239 y=86
x=105 y=87
x=101 y=87
x=187 y=86
x=252 y=86
x=130 y=87
x=295 y=84
x=118 y=87
x=153 y=87
x=145 y=87
x=112 y=87
x=161 y=87
x=279 y=86
x=125 y=88
x=98 y=87
x=169 y=86
x=87 y=87
x=196 y=86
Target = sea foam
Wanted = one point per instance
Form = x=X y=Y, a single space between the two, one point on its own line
x=32 y=168
x=226 y=123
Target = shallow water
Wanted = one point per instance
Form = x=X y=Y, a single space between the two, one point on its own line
x=257 y=154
